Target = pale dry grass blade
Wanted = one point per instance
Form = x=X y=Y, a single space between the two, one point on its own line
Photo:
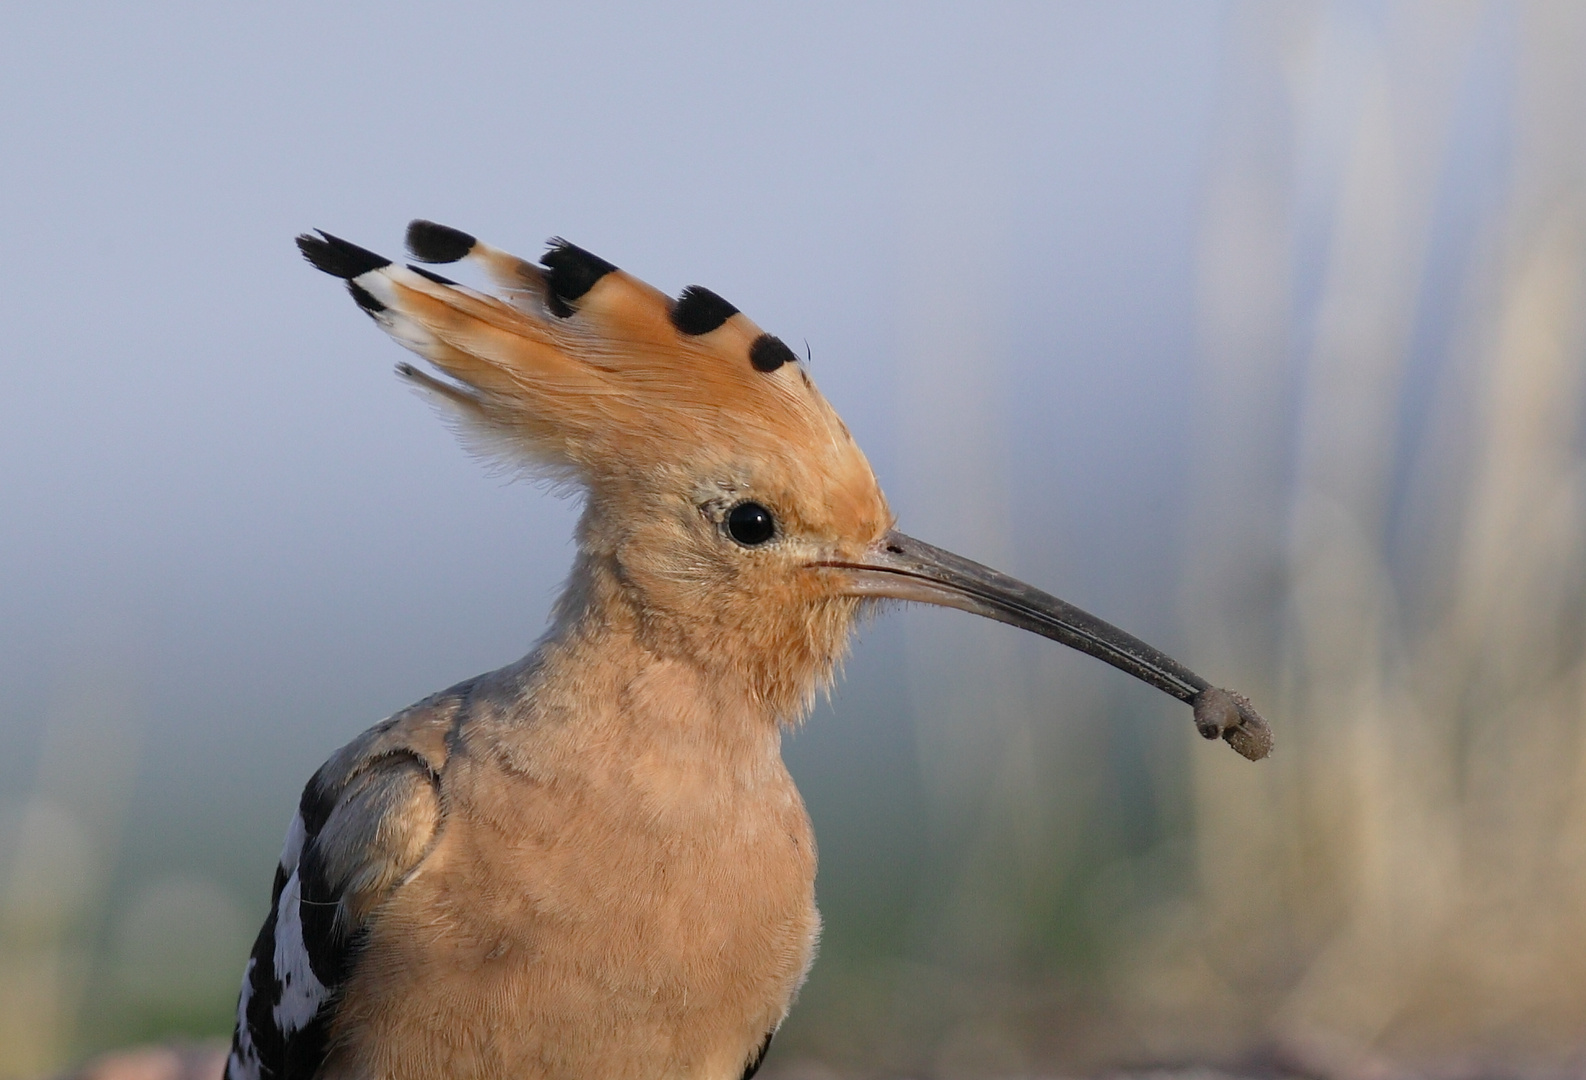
x=1401 y=890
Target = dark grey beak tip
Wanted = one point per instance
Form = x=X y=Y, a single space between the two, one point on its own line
x=1222 y=714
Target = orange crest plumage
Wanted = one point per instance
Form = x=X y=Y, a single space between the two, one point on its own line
x=592 y=374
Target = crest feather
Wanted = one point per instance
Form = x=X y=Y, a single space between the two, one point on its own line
x=582 y=368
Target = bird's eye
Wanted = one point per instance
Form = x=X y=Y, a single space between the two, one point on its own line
x=750 y=524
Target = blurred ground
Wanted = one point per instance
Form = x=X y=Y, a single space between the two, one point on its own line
x=180 y=1061
x=206 y=1061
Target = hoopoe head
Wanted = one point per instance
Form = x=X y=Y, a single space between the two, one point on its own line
x=717 y=477
x=736 y=515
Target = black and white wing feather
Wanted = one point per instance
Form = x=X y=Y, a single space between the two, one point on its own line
x=365 y=823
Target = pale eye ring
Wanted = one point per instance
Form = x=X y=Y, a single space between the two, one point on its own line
x=750 y=524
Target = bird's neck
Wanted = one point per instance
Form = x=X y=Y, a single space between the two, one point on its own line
x=600 y=693
x=765 y=678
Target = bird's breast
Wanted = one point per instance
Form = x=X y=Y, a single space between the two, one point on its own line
x=632 y=895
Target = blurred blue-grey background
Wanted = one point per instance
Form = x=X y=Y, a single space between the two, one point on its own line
x=1258 y=329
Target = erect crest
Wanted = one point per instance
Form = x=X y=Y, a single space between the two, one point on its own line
x=589 y=371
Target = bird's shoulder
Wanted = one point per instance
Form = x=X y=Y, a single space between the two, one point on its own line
x=371 y=811
x=365 y=822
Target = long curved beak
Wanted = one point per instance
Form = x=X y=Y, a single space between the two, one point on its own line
x=900 y=567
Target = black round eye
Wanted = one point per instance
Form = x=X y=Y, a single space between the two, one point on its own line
x=750 y=523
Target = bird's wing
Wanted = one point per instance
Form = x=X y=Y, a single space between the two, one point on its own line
x=366 y=821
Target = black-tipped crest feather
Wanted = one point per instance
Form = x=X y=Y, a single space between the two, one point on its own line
x=431 y=275
x=699 y=311
x=433 y=243
x=337 y=257
x=770 y=352
x=570 y=271
x=364 y=298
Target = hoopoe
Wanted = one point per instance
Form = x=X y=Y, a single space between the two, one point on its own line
x=592 y=862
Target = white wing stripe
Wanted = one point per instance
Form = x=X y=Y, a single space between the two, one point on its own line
x=301 y=990
x=244 y=1061
x=293 y=848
